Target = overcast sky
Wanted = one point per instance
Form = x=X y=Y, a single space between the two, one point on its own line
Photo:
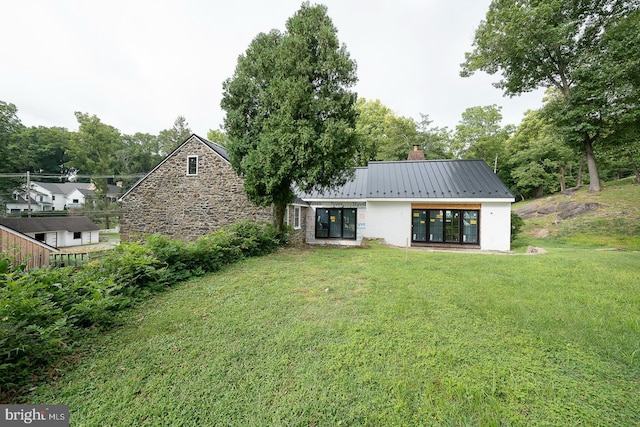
x=139 y=64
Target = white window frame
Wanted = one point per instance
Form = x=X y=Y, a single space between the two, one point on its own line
x=286 y=215
x=297 y=220
x=189 y=164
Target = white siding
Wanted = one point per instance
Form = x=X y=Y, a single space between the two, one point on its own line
x=495 y=226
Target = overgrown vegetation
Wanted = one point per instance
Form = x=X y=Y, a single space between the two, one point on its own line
x=374 y=337
x=614 y=224
x=45 y=313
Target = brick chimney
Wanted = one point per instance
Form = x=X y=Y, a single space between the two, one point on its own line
x=416 y=154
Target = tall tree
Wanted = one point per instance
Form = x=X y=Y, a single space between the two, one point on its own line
x=94 y=151
x=479 y=135
x=169 y=139
x=218 y=136
x=43 y=149
x=545 y=43
x=539 y=159
x=290 y=115
x=436 y=142
x=10 y=128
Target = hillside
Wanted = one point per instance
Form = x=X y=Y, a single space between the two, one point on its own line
x=609 y=219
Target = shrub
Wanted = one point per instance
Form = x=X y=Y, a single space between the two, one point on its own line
x=45 y=312
x=516 y=225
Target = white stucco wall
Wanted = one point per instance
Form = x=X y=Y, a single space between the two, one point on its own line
x=495 y=226
x=389 y=220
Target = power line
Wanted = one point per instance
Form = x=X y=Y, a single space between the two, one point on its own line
x=64 y=177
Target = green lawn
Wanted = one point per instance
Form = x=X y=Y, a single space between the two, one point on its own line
x=375 y=336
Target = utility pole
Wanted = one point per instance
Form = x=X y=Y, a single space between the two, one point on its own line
x=28 y=195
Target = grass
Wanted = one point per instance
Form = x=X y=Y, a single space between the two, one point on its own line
x=615 y=224
x=333 y=336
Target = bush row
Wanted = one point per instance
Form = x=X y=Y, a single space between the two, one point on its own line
x=46 y=313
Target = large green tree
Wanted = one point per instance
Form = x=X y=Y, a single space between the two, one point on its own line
x=479 y=135
x=93 y=151
x=547 y=43
x=290 y=113
x=169 y=139
x=538 y=158
x=382 y=134
x=10 y=129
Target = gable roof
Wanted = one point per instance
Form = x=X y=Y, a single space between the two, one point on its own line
x=28 y=238
x=355 y=188
x=220 y=150
x=46 y=224
x=67 y=188
x=428 y=179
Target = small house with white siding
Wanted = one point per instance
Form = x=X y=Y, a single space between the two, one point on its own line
x=58 y=232
x=430 y=203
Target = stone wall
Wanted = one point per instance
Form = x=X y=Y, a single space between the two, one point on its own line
x=170 y=202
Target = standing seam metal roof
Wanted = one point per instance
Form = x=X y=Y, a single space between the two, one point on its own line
x=432 y=179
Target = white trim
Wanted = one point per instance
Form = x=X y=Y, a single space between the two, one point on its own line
x=193 y=156
x=444 y=200
x=297 y=209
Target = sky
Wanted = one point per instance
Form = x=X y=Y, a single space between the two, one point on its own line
x=139 y=64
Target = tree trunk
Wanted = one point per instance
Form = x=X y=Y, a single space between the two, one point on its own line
x=580 y=168
x=594 y=178
x=562 y=181
x=278 y=216
x=634 y=167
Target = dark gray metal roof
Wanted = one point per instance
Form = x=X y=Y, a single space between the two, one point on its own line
x=46 y=224
x=439 y=179
x=215 y=147
x=356 y=188
x=429 y=179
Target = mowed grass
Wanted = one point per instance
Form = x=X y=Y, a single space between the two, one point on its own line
x=378 y=337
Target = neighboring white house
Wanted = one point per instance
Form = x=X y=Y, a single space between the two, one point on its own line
x=50 y=196
x=437 y=203
x=58 y=232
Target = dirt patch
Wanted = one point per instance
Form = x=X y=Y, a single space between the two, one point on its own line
x=533 y=250
x=540 y=233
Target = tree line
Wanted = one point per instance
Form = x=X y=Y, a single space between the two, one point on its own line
x=291 y=118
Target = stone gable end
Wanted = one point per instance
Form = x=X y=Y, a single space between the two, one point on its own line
x=171 y=202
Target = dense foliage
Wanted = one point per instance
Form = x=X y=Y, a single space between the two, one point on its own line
x=45 y=313
x=572 y=47
x=290 y=115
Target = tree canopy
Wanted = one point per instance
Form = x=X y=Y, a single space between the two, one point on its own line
x=290 y=114
x=548 y=43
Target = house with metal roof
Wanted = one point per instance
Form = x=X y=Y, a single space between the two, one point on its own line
x=440 y=203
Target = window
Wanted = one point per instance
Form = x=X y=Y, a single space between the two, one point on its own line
x=192 y=165
x=336 y=223
x=77 y=235
x=296 y=217
x=40 y=237
x=445 y=226
x=53 y=197
x=75 y=201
